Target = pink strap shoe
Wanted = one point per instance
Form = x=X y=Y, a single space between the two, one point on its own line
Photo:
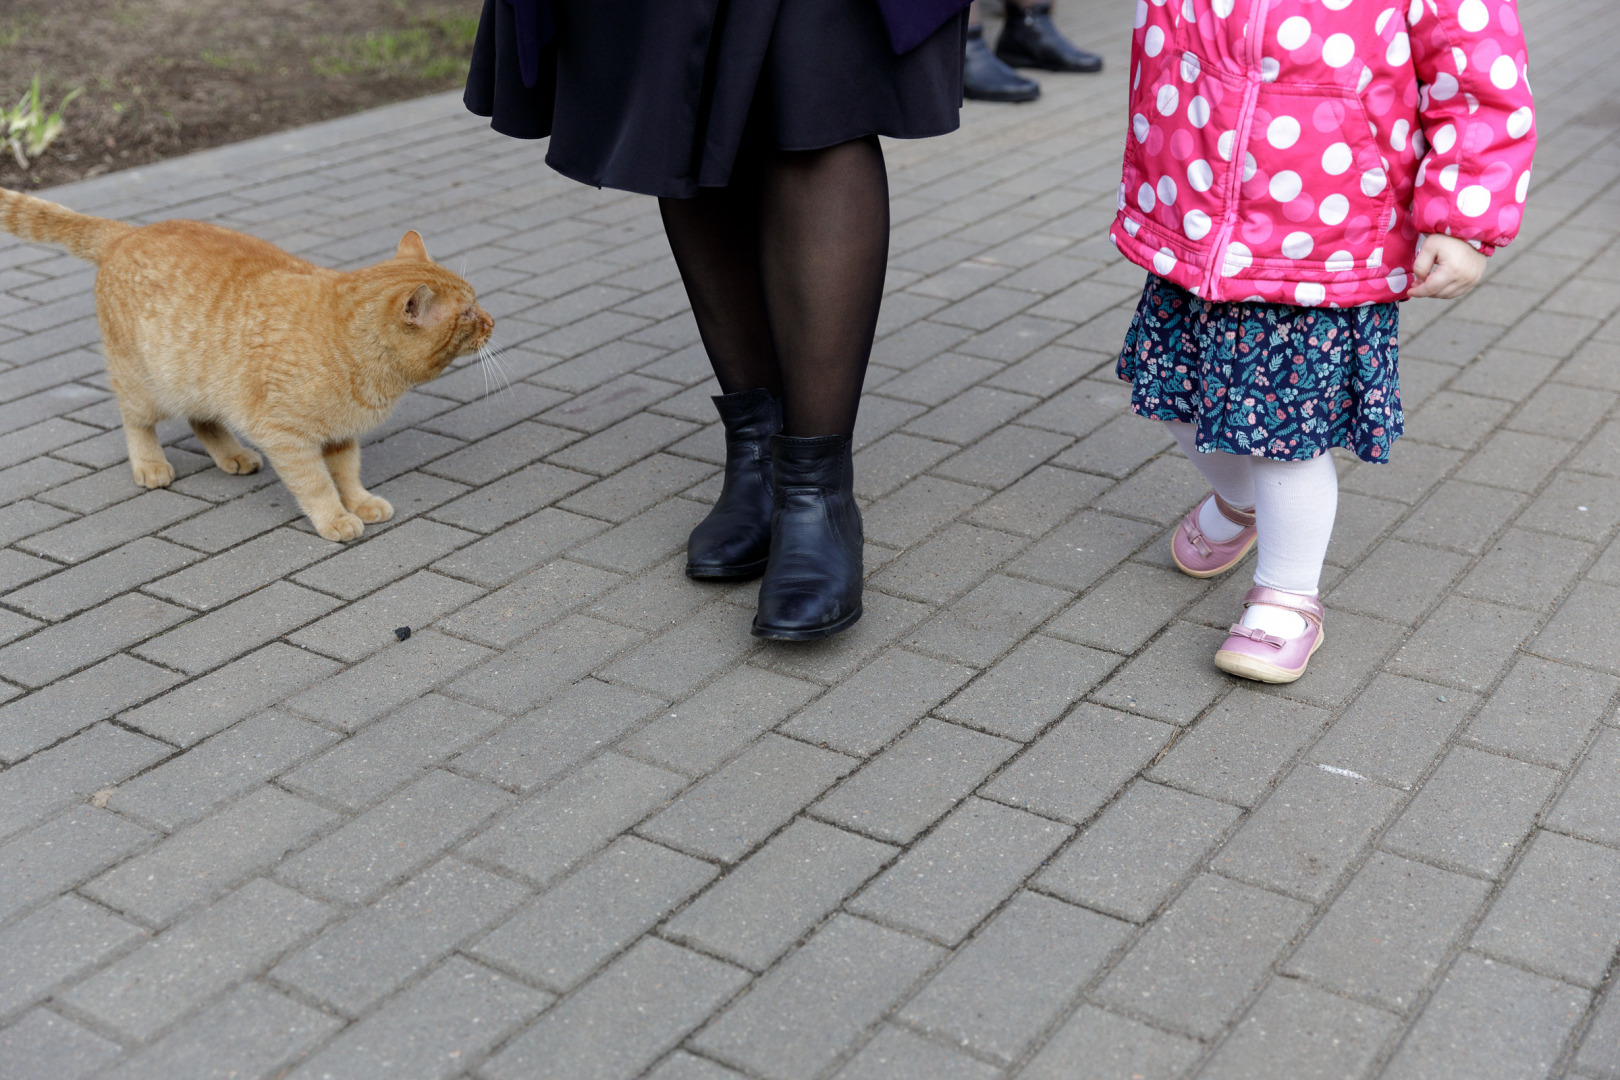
x=1255 y=654
x=1199 y=556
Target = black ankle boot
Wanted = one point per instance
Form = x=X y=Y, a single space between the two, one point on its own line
x=734 y=541
x=1029 y=40
x=985 y=78
x=812 y=587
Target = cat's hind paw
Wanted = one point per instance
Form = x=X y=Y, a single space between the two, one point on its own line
x=240 y=462
x=372 y=508
x=340 y=527
x=153 y=474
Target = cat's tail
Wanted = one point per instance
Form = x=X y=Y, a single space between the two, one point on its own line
x=47 y=223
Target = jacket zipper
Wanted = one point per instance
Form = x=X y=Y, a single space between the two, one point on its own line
x=1253 y=49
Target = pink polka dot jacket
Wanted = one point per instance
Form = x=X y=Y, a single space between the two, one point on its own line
x=1292 y=151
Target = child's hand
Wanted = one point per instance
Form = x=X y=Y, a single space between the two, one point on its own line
x=1446 y=267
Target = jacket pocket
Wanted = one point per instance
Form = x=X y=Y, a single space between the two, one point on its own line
x=1317 y=199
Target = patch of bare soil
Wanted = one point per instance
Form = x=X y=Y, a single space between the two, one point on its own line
x=164 y=77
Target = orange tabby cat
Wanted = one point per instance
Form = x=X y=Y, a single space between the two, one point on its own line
x=231 y=332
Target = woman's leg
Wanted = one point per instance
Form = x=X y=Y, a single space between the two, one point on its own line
x=823 y=251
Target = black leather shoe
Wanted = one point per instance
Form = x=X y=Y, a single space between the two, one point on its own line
x=734 y=541
x=1029 y=40
x=985 y=78
x=812 y=587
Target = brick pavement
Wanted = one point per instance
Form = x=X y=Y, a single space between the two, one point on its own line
x=582 y=826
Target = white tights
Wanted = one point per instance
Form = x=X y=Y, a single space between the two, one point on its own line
x=1294 y=506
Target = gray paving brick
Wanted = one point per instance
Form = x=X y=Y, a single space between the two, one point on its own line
x=539 y=597
x=394 y=750
x=394 y=837
x=516 y=495
x=1473 y=813
x=1081 y=764
x=186 y=787
x=63 y=647
x=960 y=871
x=479 y=418
x=867 y=710
x=45 y=1046
x=543 y=665
x=241 y=570
x=651 y=536
x=253 y=1031
x=1030 y=687
x=105 y=529
x=1133 y=857
x=1514 y=460
x=547 y=742
x=66 y=707
x=1576 y=633
x=1196 y=965
x=732 y=811
x=1389 y=932
x=433 y=1029
x=949 y=563
x=683 y=1066
x=364 y=627
x=766 y=903
x=1490 y=1022
x=238 y=627
x=581 y=813
x=1082 y=550
x=356 y=963
x=197 y=960
x=1599 y=1054
x=1013 y=979
x=496 y=455
x=1587 y=807
x=840 y=983
x=1398 y=582
x=207 y=858
x=100 y=578
x=622 y=1021
x=1127 y=608
x=388 y=679
x=1464 y=643
x=1235 y=752
x=1038 y=502
x=70 y=771
x=989 y=620
x=915 y=782
x=585 y=919
x=1394 y=730
x=719 y=720
x=17 y=569
x=225 y=526
x=1111 y=1047
x=1543 y=712
x=62 y=853
x=898 y=1054
x=384 y=558
x=918 y=509
x=1173 y=679
x=221 y=698
x=53 y=946
x=519 y=547
x=1559 y=507
x=1528 y=570
x=1559 y=913
x=1308 y=833
x=673 y=664
x=1297 y=1030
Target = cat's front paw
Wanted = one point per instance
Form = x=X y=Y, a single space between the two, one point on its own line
x=153 y=474
x=372 y=508
x=339 y=527
x=240 y=462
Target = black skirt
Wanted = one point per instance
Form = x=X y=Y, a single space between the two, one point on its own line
x=659 y=96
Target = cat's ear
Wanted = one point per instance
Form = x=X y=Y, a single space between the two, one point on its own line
x=411 y=247
x=419 y=307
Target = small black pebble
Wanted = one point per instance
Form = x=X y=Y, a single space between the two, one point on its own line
x=402 y=632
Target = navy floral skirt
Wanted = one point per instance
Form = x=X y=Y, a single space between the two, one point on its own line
x=1267 y=380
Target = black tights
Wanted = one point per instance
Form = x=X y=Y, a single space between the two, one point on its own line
x=784 y=268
